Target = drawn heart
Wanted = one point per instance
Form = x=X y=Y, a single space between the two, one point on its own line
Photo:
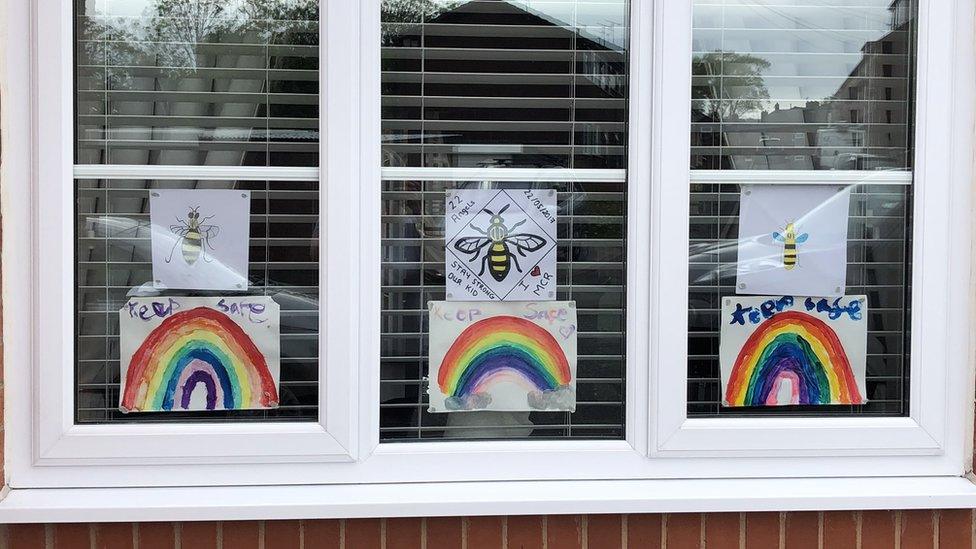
x=536 y=271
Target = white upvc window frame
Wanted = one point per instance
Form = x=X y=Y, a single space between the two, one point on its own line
x=341 y=454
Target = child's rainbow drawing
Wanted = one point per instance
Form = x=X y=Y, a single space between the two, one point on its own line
x=198 y=357
x=502 y=361
x=792 y=353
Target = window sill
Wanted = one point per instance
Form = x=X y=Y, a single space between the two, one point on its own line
x=494 y=498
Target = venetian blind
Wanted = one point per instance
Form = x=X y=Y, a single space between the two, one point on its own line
x=805 y=85
x=504 y=84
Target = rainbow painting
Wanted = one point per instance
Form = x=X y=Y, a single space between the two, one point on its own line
x=184 y=354
x=793 y=356
x=502 y=357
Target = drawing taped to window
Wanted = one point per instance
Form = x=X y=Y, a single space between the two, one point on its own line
x=206 y=248
x=501 y=245
x=792 y=240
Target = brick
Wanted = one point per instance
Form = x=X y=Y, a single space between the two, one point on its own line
x=403 y=533
x=363 y=534
x=604 y=531
x=802 y=530
x=198 y=535
x=956 y=528
x=564 y=531
x=26 y=536
x=762 y=530
x=683 y=530
x=72 y=536
x=444 y=532
x=156 y=535
x=840 y=529
x=483 y=532
x=243 y=534
x=525 y=532
x=644 y=531
x=114 y=535
x=917 y=529
x=721 y=530
x=877 y=529
x=321 y=534
x=282 y=534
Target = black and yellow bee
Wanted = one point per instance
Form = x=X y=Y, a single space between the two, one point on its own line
x=195 y=237
x=791 y=240
x=499 y=257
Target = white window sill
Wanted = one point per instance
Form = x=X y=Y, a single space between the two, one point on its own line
x=493 y=498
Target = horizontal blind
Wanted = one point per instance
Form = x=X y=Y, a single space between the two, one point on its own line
x=804 y=85
x=591 y=258
x=197 y=83
x=114 y=262
x=508 y=84
x=878 y=266
x=524 y=83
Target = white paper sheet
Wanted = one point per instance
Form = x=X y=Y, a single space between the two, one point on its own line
x=518 y=356
x=156 y=327
x=787 y=348
x=200 y=238
x=793 y=240
x=501 y=245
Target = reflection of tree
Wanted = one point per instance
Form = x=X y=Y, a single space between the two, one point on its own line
x=169 y=31
x=398 y=14
x=743 y=88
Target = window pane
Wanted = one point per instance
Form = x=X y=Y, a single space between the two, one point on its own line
x=205 y=82
x=591 y=270
x=114 y=263
x=804 y=85
x=514 y=83
x=523 y=83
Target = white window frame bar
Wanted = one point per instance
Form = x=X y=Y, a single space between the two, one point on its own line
x=46 y=450
x=570 y=175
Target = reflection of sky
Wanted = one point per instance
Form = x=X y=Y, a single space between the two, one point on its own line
x=600 y=19
x=822 y=39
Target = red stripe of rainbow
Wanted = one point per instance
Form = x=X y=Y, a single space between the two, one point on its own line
x=795 y=342
x=499 y=347
x=156 y=365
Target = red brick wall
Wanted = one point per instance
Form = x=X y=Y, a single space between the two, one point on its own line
x=867 y=529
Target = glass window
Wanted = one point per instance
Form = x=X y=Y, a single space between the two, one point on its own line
x=195 y=83
x=518 y=83
x=504 y=84
x=804 y=85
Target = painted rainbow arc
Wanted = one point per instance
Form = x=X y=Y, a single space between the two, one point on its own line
x=194 y=347
x=503 y=348
x=796 y=347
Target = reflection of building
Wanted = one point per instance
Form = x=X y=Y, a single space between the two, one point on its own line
x=495 y=83
x=861 y=125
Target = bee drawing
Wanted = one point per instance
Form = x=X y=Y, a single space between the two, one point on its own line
x=500 y=241
x=790 y=241
x=194 y=235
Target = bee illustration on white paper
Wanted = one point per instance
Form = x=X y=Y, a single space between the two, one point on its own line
x=791 y=241
x=195 y=235
x=499 y=258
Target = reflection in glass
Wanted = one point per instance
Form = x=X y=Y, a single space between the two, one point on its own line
x=591 y=270
x=802 y=85
x=114 y=262
x=504 y=83
x=197 y=82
